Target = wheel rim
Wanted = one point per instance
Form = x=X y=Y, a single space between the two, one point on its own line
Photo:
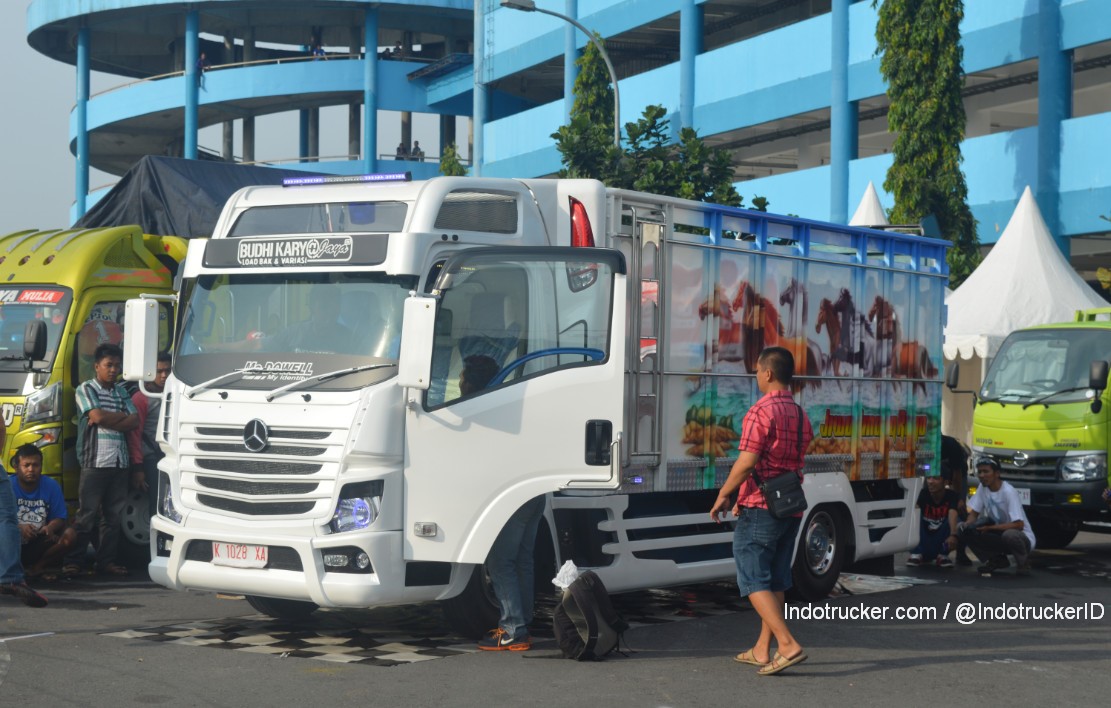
x=135 y=519
x=821 y=543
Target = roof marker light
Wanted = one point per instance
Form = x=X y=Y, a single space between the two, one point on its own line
x=347 y=179
x=582 y=235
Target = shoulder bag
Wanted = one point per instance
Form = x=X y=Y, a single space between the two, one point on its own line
x=783 y=493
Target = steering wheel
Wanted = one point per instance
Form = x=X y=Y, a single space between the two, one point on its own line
x=592 y=354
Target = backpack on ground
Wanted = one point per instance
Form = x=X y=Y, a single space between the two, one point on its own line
x=587 y=628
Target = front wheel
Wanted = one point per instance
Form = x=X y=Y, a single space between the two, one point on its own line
x=280 y=608
x=1050 y=532
x=821 y=553
x=474 y=611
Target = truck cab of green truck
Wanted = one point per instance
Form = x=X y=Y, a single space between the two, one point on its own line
x=1043 y=412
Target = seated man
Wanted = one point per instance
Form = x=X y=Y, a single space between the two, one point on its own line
x=478 y=370
x=938 y=528
x=41 y=512
x=997 y=524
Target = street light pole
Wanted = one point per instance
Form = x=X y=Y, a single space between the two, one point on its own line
x=530 y=6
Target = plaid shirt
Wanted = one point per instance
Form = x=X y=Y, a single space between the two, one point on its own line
x=770 y=430
x=108 y=448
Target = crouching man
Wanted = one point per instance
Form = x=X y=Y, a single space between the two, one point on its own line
x=41 y=512
x=997 y=524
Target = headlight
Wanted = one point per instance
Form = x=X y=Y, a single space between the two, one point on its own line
x=166 y=499
x=1083 y=468
x=43 y=405
x=359 y=505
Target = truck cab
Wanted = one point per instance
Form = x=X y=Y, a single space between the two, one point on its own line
x=76 y=283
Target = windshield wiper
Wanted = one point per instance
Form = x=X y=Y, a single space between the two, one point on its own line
x=319 y=378
x=1036 y=401
x=218 y=380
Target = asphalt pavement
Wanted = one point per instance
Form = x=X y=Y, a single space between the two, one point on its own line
x=928 y=636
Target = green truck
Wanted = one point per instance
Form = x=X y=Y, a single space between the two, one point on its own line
x=1043 y=413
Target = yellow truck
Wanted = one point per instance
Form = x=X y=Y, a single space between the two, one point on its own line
x=62 y=293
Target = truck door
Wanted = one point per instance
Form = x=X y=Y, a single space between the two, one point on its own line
x=525 y=395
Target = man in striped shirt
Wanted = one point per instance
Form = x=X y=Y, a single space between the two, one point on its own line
x=774 y=438
x=106 y=414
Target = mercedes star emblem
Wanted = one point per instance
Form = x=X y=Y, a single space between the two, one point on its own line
x=256 y=436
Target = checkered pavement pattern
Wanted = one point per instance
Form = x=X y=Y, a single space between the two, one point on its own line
x=405 y=635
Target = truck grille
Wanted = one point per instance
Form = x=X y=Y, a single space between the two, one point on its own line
x=1038 y=467
x=252 y=508
x=273 y=482
x=255 y=488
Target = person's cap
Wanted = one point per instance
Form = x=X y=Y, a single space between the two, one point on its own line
x=986 y=460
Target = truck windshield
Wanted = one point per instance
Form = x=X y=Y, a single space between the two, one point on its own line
x=1037 y=364
x=21 y=304
x=280 y=328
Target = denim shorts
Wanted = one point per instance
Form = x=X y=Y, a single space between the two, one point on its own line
x=763 y=548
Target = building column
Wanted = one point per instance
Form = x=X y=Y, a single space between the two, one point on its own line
x=81 y=181
x=228 y=151
x=1054 y=107
x=303 y=135
x=313 y=134
x=248 y=137
x=570 y=56
x=354 y=110
x=690 y=45
x=192 y=83
x=370 y=90
x=478 y=123
x=447 y=132
x=843 y=119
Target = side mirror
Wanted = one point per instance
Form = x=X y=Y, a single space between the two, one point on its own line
x=418 y=334
x=1097 y=375
x=140 y=345
x=952 y=375
x=34 y=340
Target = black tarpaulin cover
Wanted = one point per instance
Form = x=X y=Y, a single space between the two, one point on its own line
x=171 y=196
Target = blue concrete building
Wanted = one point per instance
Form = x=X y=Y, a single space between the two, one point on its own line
x=791 y=87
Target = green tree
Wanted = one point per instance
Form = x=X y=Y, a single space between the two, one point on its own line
x=921 y=63
x=450 y=164
x=586 y=143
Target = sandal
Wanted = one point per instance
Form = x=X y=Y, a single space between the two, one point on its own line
x=748 y=657
x=71 y=570
x=780 y=662
x=115 y=569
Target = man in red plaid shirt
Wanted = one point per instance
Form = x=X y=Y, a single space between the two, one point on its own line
x=774 y=438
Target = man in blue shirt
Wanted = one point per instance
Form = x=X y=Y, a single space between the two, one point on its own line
x=41 y=511
x=11 y=570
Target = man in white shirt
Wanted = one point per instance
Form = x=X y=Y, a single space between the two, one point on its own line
x=997 y=524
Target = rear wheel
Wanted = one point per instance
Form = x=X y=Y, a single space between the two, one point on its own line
x=1052 y=532
x=280 y=608
x=821 y=553
x=134 y=547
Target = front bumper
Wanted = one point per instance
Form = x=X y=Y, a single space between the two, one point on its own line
x=296 y=570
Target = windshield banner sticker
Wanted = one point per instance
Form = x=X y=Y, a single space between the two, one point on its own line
x=277 y=370
x=32 y=296
x=300 y=251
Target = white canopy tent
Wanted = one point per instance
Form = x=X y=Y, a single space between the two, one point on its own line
x=869 y=212
x=1025 y=280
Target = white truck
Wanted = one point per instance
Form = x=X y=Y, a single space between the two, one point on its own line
x=320 y=453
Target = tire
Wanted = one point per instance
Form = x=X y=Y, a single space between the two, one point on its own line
x=1050 y=532
x=134 y=547
x=474 y=611
x=280 y=608
x=821 y=553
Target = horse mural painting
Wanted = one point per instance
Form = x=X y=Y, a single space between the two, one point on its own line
x=850 y=336
x=727 y=346
x=761 y=326
x=908 y=360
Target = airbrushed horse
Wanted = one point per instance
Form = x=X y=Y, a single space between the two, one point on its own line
x=907 y=359
x=727 y=345
x=851 y=340
x=761 y=326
